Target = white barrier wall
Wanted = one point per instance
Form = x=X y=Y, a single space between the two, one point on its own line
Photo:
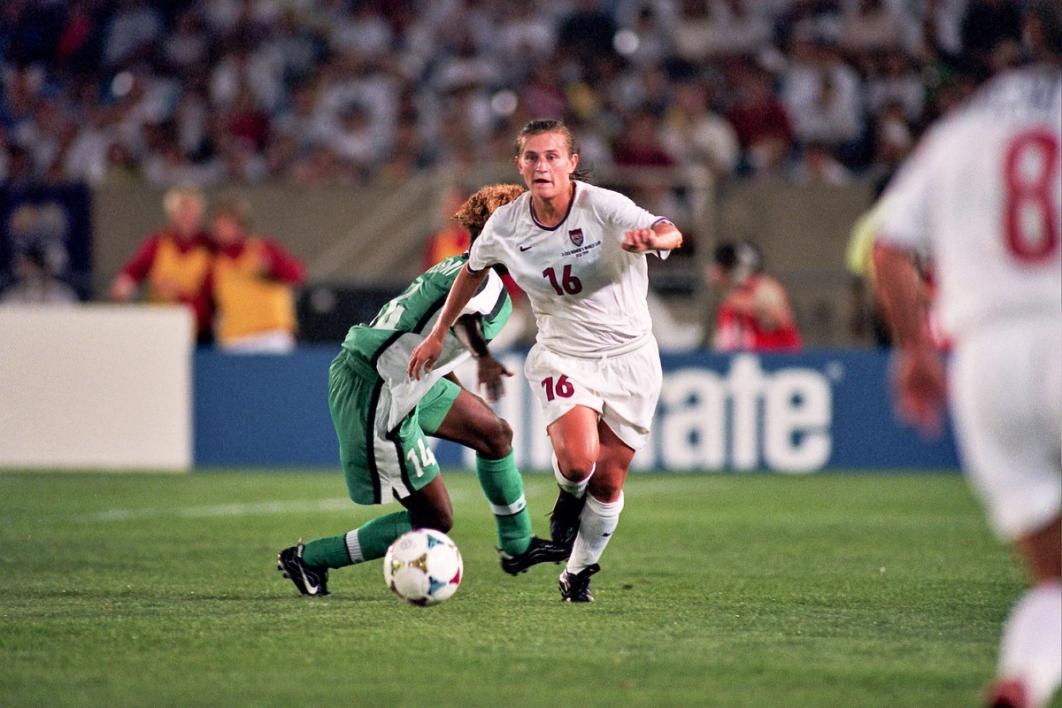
x=96 y=387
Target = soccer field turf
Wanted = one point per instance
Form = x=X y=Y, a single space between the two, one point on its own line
x=749 y=590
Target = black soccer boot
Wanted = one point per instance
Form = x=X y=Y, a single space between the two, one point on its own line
x=575 y=587
x=564 y=519
x=540 y=551
x=309 y=579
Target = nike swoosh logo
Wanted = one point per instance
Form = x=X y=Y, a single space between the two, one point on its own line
x=525 y=248
x=309 y=586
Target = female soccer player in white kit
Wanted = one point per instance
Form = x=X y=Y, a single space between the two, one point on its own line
x=984 y=194
x=578 y=252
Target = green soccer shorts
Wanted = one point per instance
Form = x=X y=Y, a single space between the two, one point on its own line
x=380 y=465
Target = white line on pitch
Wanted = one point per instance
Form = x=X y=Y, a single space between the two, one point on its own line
x=198 y=512
x=221 y=510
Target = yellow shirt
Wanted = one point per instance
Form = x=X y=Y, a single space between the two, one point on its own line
x=247 y=302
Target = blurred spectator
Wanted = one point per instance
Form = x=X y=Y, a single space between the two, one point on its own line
x=817 y=166
x=872 y=25
x=341 y=92
x=133 y=29
x=639 y=145
x=755 y=314
x=253 y=280
x=175 y=261
x=822 y=93
x=760 y=121
x=36 y=282
x=693 y=134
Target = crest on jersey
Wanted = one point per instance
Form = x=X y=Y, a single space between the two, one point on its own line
x=576 y=235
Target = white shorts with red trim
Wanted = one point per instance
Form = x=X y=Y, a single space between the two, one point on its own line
x=623 y=388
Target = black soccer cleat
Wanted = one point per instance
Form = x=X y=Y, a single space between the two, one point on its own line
x=575 y=587
x=540 y=551
x=564 y=519
x=309 y=579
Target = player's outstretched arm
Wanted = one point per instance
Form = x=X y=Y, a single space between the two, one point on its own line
x=919 y=374
x=427 y=352
x=664 y=236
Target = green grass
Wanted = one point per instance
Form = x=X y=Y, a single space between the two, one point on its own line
x=717 y=590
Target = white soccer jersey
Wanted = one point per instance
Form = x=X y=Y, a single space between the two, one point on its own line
x=587 y=293
x=984 y=194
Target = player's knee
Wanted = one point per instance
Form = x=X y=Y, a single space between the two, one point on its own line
x=497 y=440
x=576 y=467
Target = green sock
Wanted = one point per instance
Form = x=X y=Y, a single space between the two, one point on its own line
x=366 y=542
x=504 y=488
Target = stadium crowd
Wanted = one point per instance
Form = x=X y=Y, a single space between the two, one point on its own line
x=341 y=91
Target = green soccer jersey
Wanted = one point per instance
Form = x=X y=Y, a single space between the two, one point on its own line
x=400 y=325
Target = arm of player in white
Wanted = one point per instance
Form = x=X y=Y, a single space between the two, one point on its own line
x=427 y=352
x=918 y=375
x=662 y=237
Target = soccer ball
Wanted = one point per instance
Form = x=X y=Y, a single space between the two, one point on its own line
x=423 y=567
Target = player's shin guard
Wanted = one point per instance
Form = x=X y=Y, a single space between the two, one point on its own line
x=1032 y=642
x=597 y=523
x=366 y=542
x=504 y=488
x=576 y=488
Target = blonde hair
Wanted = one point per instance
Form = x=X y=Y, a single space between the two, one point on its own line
x=474 y=213
x=174 y=196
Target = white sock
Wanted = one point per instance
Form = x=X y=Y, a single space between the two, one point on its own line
x=576 y=489
x=597 y=522
x=1032 y=642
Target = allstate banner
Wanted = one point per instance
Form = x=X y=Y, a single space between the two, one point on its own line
x=791 y=413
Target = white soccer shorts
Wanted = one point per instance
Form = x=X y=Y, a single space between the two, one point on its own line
x=1006 y=392
x=622 y=388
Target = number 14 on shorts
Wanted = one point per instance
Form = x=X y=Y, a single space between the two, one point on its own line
x=425 y=459
x=562 y=388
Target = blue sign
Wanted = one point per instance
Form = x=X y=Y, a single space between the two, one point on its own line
x=788 y=413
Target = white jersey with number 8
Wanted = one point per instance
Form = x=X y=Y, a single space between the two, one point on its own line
x=984 y=194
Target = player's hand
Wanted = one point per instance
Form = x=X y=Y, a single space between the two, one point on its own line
x=491 y=372
x=424 y=356
x=920 y=388
x=639 y=240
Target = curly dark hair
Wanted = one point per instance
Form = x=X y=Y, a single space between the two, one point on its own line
x=474 y=213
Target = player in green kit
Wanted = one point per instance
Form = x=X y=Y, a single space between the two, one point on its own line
x=382 y=418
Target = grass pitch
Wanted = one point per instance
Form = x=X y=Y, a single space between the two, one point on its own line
x=717 y=590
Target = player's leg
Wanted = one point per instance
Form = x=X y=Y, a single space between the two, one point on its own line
x=571 y=410
x=1030 y=659
x=378 y=466
x=575 y=451
x=1008 y=416
x=469 y=421
x=629 y=386
x=460 y=416
x=428 y=507
x=599 y=517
